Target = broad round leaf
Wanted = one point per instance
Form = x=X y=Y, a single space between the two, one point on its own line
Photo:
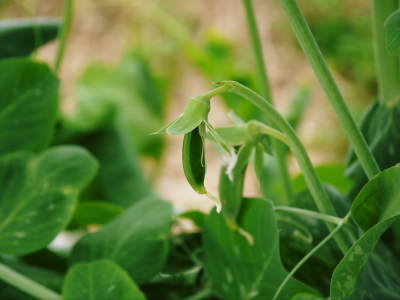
x=28 y=105
x=239 y=270
x=38 y=195
x=376 y=207
x=137 y=240
x=98 y=280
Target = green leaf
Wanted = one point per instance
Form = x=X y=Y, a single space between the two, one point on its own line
x=137 y=240
x=392 y=25
x=94 y=212
x=379 y=200
x=239 y=270
x=194 y=160
x=28 y=105
x=196 y=111
x=20 y=37
x=197 y=217
x=101 y=279
x=120 y=180
x=332 y=174
x=39 y=194
x=381 y=128
x=375 y=209
x=107 y=95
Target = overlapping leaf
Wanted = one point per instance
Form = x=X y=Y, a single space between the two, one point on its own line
x=239 y=270
x=375 y=209
x=20 y=37
x=101 y=279
x=28 y=105
x=137 y=240
x=38 y=195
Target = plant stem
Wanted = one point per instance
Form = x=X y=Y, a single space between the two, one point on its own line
x=279 y=149
x=26 y=284
x=387 y=66
x=64 y=33
x=316 y=188
x=309 y=213
x=314 y=55
x=311 y=253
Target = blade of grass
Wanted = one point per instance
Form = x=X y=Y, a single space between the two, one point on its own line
x=314 y=55
x=64 y=33
x=387 y=66
x=279 y=149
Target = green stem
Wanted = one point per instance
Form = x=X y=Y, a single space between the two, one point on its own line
x=387 y=66
x=279 y=149
x=256 y=127
x=309 y=255
x=314 y=55
x=315 y=186
x=26 y=284
x=309 y=213
x=64 y=33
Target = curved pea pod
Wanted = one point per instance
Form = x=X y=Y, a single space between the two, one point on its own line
x=231 y=184
x=193 y=158
x=196 y=111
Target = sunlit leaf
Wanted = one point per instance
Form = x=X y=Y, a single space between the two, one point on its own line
x=38 y=195
x=100 y=279
x=28 y=105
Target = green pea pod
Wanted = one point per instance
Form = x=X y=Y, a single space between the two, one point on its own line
x=196 y=111
x=231 y=184
x=193 y=158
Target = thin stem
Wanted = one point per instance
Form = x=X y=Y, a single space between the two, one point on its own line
x=64 y=33
x=309 y=255
x=26 y=284
x=317 y=190
x=309 y=213
x=279 y=149
x=387 y=66
x=314 y=55
x=256 y=127
x=257 y=49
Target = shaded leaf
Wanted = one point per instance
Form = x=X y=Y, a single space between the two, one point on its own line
x=137 y=240
x=375 y=209
x=392 y=25
x=20 y=37
x=94 y=212
x=120 y=180
x=50 y=279
x=28 y=105
x=39 y=194
x=239 y=270
x=101 y=279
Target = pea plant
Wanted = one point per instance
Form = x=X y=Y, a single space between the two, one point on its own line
x=329 y=232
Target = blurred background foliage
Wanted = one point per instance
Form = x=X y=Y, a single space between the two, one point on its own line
x=131 y=65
